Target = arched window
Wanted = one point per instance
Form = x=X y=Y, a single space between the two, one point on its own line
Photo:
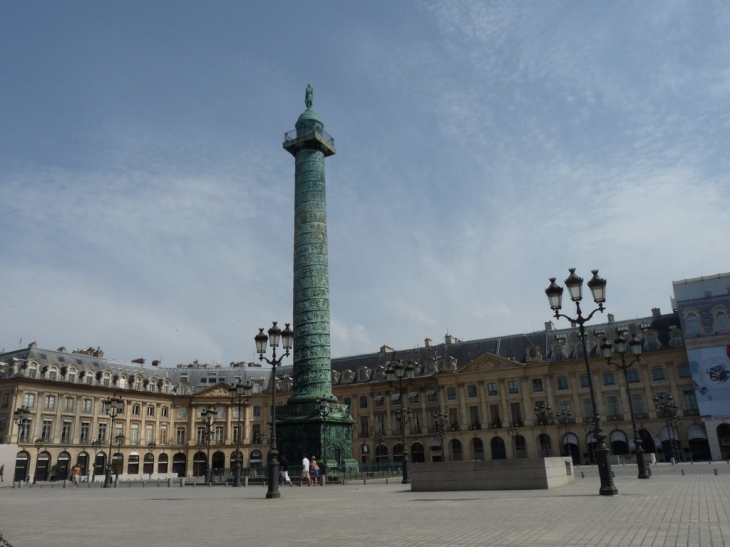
x=138 y=383
x=558 y=353
x=580 y=351
x=53 y=374
x=721 y=319
x=677 y=340
x=89 y=378
x=651 y=342
x=32 y=370
x=71 y=376
x=693 y=324
x=106 y=379
x=397 y=452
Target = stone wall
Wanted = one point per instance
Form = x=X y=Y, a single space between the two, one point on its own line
x=513 y=474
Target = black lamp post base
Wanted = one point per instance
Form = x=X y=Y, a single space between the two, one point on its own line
x=108 y=478
x=604 y=471
x=237 y=480
x=273 y=491
x=406 y=472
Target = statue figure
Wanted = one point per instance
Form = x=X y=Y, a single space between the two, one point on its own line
x=308 y=97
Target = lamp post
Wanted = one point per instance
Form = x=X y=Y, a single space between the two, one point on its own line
x=565 y=418
x=440 y=426
x=588 y=425
x=208 y=416
x=403 y=373
x=198 y=449
x=666 y=406
x=286 y=337
x=512 y=432
x=20 y=417
x=239 y=398
x=151 y=448
x=620 y=346
x=38 y=445
x=554 y=293
x=119 y=440
x=544 y=417
x=96 y=446
x=322 y=406
x=114 y=407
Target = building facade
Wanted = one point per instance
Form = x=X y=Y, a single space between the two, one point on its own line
x=479 y=399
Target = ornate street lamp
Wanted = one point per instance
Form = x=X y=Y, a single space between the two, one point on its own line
x=119 y=440
x=21 y=418
x=441 y=426
x=151 y=449
x=620 y=347
x=322 y=406
x=208 y=416
x=198 y=449
x=114 y=407
x=544 y=417
x=565 y=418
x=38 y=445
x=512 y=432
x=554 y=293
x=239 y=398
x=286 y=337
x=666 y=406
x=403 y=373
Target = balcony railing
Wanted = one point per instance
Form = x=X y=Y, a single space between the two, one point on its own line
x=292 y=135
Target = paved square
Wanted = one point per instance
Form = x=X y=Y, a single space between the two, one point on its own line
x=669 y=509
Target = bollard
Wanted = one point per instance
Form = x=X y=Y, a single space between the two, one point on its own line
x=64 y=483
x=169 y=482
x=386 y=480
x=682 y=472
x=143 y=483
x=245 y=481
x=715 y=471
x=182 y=482
x=582 y=475
x=129 y=484
x=363 y=481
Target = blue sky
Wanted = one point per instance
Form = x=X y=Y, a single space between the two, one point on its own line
x=482 y=147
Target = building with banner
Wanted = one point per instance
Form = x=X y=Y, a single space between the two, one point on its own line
x=703 y=306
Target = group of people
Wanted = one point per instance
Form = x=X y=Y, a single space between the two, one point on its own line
x=310 y=472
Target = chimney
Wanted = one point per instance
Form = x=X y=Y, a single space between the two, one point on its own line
x=610 y=318
x=656 y=312
x=427 y=342
x=139 y=361
x=156 y=363
x=549 y=325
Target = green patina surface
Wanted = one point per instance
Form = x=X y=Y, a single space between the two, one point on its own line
x=301 y=429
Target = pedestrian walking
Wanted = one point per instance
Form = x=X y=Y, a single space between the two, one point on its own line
x=314 y=473
x=76 y=475
x=305 y=472
x=284 y=472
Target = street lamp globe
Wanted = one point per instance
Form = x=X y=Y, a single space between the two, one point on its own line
x=555 y=295
x=575 y=285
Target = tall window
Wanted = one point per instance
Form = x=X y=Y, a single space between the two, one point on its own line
x=87 y=405
x=180 y=435
x=364 y=427
x=613 y=406
x=25 y=429
x=580 y=352
x=587 y=409
x=69 y=403
x=677 y=340
x=218 y=434
x=150 y=410
x=494 y=416
x=33 y=370
x=451 y=393
x=200 y=434
x=363 y=401
x=471 y=391
x=29 y=400
x=134 y=434
x=85 y=429
x=516 y=411
x=163 y=435
x=690 y=400
x=537 y=385
x=72 y=375
x=562 y=383
x=102 y=431
x=476 y=423
x=513 y=387
x=609 y=379
x=565 y=407
x=693 y=324
x=106 y=379
x=721 y=319
x=491 y=389
x=633 y=376
x=256 y=411
x=46 y=431
x=149 y=433
x=657 y=374
x=237 y=434
x=454 y=418
x=637 y=401
x=50 y=402
x=66 y=432
x=683 y=371
x=558 y=353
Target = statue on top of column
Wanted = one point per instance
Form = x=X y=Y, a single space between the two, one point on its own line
x=308 y=97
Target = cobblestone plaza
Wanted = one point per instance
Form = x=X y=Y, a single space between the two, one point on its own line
x=670 y=509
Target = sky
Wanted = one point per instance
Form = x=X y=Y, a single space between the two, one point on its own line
x=482 y=147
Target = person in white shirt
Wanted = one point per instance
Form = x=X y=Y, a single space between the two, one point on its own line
x=305 y=472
